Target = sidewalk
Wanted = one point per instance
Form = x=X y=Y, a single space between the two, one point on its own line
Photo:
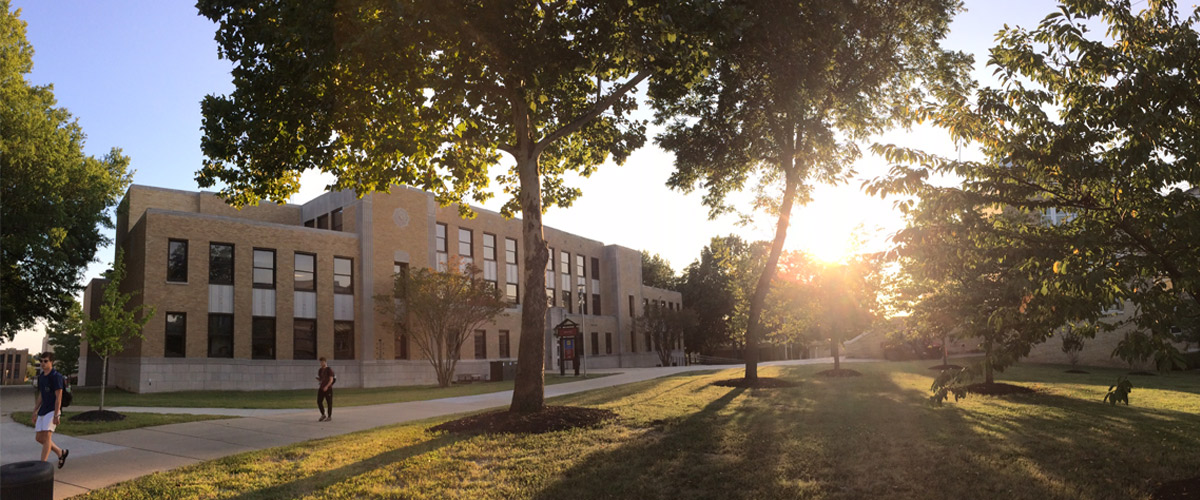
x=100 y=460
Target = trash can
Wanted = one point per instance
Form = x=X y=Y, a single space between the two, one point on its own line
x=503 y=370
x=30 y=480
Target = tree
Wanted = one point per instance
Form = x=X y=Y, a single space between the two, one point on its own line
x=1072 y=343
x=118 y=323
x=439 y=310
x=667 y=328
x=430 y=94
x=64 y=336
x=1101 y=126
x=708 y=287
x=657 y=272
x=795 y=84
x=56 y=198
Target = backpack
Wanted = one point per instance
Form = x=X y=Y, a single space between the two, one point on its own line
x=67 y=397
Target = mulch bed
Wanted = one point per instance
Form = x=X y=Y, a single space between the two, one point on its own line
x=759 y=383
x=1183 y=489
x=997 y=389
x=839 y=372
x=946 y=367
x=1076 y=371
x=98 y=416
x=550 y=419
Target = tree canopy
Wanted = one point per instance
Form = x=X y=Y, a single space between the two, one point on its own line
x=1095 y=135
x=431 y=93
x=794 y=86
x=657 y=272
x=56 y=198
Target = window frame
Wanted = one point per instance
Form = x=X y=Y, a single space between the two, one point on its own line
x=480 y=340
x=296 y=270
x=255 y=268
x=256 y=337
x=337 y=288
x=296 y=354
x=340 y=346
x=335 y=219
x=505 y=346
x=170 y=243
x=232 y=262
x=167 y=335
x=215 y=336
x=470 y=243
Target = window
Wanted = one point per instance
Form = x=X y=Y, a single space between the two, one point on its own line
x=402 y=346
x=579 y=265
x=343 y=275
x=511 y=293
x=583 y=303
x=399 y=274
x=550 y=297
x=564 y=263
x=323 y=221
x=632 y=341
x=304 y=339
x=306 y=272
x=262 y=338
x=489 y=247
x=465 y=242
x=504 y=352
x=177 y=261
x=264 y=268
x=343 y=340
x=630 y=306
x=607 y=342
x=310 y=223
x=335 y=219
x=510 y=251
x=596 y=304
x=595 y=343
x=440 y=246
x=220 y=264
x=550 y=279
x=480 y=344
x=175 y=341
x=566 y=301
x=220 y=335
x=649 y=346
x=595 y=268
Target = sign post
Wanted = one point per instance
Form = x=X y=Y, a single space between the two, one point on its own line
x=568 y=338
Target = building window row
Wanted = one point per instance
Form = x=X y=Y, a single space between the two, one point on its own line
x=331 y=220
x=502 y=343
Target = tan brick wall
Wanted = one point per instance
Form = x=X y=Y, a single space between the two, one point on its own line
x=192 y=298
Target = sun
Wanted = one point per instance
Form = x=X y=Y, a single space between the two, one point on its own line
x=828 y=247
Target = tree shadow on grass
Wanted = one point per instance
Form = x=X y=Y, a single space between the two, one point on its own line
x=870 y=438
x=315 y=483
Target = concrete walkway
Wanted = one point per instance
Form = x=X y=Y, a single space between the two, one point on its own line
x=101 y=460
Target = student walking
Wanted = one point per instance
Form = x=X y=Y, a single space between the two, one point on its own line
x=325 y=379
x=48 y=408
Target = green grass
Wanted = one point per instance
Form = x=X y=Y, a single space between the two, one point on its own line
x=304 y=398
x=132 y=421
x=679 y=437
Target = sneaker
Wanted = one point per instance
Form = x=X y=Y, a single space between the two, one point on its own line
x=322 y=419
x=329 y=418
x=63 y=459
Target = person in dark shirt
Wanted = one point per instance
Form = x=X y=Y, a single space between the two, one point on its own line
x=48 y=408
x=325 y=380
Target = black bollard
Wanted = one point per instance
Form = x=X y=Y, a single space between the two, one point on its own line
x=31 y=480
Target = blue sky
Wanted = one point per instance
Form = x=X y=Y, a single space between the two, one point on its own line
x=133 y=73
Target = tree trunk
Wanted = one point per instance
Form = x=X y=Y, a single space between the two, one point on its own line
x=833 y=347
x=945 y=350
x=759 y=299
x=529 y=386
x=987 y=363
x=103 y=382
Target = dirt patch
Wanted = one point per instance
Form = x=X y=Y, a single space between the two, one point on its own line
x=839 y=372
x=550 y=419
x=1183 y=489
x=997 y=389
x=1075 y=371
x=946 y=367
x=97 y=416
x=1144 y=373
x=758 y=383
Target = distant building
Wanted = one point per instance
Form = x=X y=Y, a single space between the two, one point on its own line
x=249 y=299
x=14 y=366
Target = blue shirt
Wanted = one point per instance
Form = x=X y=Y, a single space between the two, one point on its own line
x=49 y=383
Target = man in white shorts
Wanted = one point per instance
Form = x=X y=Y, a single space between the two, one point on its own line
x=48 y=408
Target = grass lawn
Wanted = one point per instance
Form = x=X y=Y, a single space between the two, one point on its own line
x=679 y=437
x=132 y=421
x=304 y=398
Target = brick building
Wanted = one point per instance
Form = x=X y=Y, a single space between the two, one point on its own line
x=249 y=299
x=14 y=365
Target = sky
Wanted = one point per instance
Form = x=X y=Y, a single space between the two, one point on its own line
x=133 y=73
